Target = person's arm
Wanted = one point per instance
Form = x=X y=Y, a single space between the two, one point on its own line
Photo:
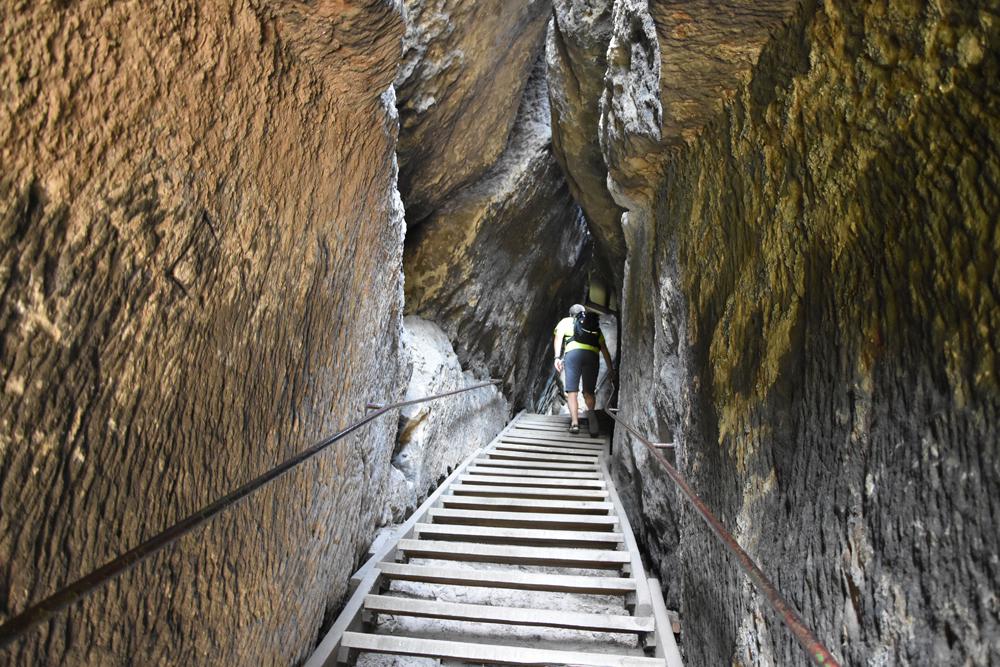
x=557 y=350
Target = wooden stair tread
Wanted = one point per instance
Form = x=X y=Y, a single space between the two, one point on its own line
x=473 y=477
x=534 y=536
x=515 y=555
x=554 y=457
x=587 y=522
x=488 y=653
x=539 y=465
x=528 y=581
x=529 y=504
x=546 y=449
x=494 y=490
x=553 y=437
x=480 y=613
x=481 y=469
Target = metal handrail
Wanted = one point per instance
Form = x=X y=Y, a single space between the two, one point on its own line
x=817 y=651
x=50 y=606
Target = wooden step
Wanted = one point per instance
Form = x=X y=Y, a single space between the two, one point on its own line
x=542 y=436
x=586 y=446
x=488 y=653
x=587 y=522
x=472 y=477
x=527 y=505
x=519 y=536
x=507 y=455
x=526 y=581
x=538 y=465
x=543 y=449
x=496 y=553
x=481 y=469
x=480 y=613
x=548 y=427
x=495 y=491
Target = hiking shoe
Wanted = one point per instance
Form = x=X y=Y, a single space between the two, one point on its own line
x=574 y=428
x=592 y=424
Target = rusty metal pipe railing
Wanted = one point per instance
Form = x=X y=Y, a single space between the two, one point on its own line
x=817 y=651
x=42 y=611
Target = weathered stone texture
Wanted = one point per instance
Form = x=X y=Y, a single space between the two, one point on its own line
x=825 y=257
x=464 y=68
x=201 y=254
x=707 y=49
x=503 y=258
x=576 y=58
x=435 y=437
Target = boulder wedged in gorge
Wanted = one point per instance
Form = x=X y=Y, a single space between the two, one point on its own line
x=465 y=65
x=810 y=311
x=499 y=264
x=201 y=255
x=576 y=59
x=435 y=437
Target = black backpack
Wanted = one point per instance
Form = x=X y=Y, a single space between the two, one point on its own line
x=587 y=329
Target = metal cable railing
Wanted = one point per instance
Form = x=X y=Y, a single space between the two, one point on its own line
x=817 y=651
x=39 y=612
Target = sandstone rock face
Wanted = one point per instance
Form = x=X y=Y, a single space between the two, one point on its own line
x=707 y=49
x=821 y=339
x=436 y=437
x=497 y=265
x=464 y=68
x=201 y=254
x=576 y=55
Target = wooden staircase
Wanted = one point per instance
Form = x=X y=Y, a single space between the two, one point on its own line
x=536 y=513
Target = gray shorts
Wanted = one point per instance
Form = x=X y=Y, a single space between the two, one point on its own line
x=581 y=365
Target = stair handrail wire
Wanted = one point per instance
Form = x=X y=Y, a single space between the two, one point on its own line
x=42 y=611
x=816 y=649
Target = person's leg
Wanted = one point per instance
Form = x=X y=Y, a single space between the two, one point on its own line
x=574 y=407
x=573 y=367
x=589 y=378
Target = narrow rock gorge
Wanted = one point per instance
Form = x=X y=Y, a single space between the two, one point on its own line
x=226 y=228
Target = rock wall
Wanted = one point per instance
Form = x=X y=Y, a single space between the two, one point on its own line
x=499 y=262
x=200 y=264
x=821 y=335
x=436 y=437
x=465 y=65
x=576 y=56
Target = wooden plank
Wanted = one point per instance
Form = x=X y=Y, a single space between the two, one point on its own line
x=480 y=469
x=328 y=652
x=590 y=522
x=489 y=653
x=494 y=491
x=536 y=456
x=666 y=644
x=643 y=603
x=520 y=536
x=552 y=436
x=473 y=477
x=527 y=581
x=481 y=613
x=554 y=444
x=527 y=505
x=537 y=465
x=542 y=449
x=511 y=555
x=528 y=418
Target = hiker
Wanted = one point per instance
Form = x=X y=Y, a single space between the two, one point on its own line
x=578 y=339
